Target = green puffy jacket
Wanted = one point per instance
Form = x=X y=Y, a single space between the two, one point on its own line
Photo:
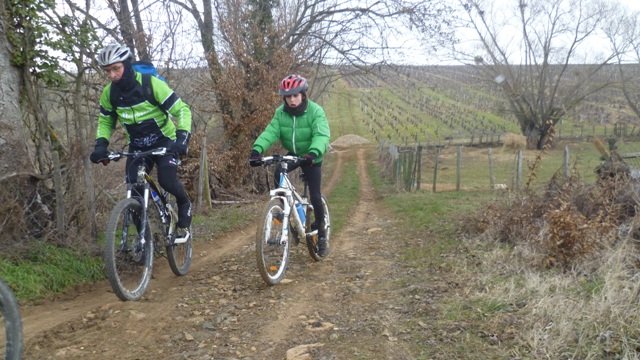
x=300 y=135
x=144 y=123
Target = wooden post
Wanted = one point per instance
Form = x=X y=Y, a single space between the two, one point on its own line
x=492 y=179
x=519 y=169
x=458 y=166
x=435 y=169
x=419 y=168
x=204 y=194
x=565 y=162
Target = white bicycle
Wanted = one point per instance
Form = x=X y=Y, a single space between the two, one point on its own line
x=281 y=224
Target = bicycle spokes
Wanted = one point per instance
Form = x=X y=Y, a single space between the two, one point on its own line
x=272 y=247
x=128 y=253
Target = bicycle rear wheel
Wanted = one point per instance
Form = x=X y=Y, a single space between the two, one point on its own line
x=271 y=253
x=179 y=255
x=312 y=240
x=12 y=323
x=128 y=259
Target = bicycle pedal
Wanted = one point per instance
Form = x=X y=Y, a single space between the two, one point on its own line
x=181 y=239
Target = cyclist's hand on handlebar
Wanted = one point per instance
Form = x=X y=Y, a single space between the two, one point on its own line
x=100 y=152
x=181 y=145
x=308 y=159
x=255 y=159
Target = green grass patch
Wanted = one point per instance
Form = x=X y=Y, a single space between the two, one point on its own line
x=434 y=211
x=344 y=197
x=49 y=270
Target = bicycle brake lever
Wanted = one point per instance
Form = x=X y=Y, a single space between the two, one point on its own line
x=160 y=151
x=113 y=156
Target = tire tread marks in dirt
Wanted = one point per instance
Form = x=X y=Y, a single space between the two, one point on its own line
x=347 y=307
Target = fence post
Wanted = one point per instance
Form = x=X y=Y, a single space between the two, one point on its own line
x=408 y=170
x=204 y=195
x=492 y=179
x=435 y=169
x=518 y=169
x=565 y=162
x=458 y=166
x=418 y=167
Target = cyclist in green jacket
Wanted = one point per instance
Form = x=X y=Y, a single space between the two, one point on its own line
x=302 y=127
x=147 y=125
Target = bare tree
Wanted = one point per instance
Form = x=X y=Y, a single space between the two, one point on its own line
x=532 y=55
x=623 y=32
x=250 y=44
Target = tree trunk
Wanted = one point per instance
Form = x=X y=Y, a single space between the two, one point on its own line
x=13 y=151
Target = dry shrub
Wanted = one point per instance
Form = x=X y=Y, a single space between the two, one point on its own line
x=247 y=98
x=28 y=212
x=566 y=222
x=514 y=141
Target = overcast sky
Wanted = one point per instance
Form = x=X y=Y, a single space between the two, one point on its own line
x=413 y=52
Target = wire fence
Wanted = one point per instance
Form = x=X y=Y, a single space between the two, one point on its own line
x=464 y=168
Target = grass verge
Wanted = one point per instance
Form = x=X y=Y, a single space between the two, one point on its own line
x=344 y=197
x=49 y=270
x=438 y=271
x=477 y=298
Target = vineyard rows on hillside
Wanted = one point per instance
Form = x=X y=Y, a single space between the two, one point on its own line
x=432 y=104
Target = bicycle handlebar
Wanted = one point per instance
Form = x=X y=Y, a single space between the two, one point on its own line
x=268 y=160
x=117 y=155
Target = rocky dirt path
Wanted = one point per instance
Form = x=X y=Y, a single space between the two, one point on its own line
x=349 y=306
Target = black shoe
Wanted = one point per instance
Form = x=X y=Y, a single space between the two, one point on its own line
x=323 y=246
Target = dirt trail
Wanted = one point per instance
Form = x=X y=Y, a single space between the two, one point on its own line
x=342 y=308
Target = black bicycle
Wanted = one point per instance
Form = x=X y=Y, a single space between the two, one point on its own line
x=12 y=323
x=134 y=233
x=288 y=216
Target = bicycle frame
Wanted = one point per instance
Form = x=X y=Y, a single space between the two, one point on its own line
x=282 y=218
x=287 y=193
x=149 y=186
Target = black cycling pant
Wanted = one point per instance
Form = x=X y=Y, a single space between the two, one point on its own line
x=313 y=177
x=168 y=180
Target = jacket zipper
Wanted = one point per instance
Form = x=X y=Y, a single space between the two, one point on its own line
x=293 y=136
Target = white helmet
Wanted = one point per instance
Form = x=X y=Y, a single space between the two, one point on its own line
x=112 y=54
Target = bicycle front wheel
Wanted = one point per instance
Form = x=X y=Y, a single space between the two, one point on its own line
x=12 y=323
x=128 y=257
x=272 y=253
x=312 y=240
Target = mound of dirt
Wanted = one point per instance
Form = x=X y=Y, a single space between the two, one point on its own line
x=349 y=140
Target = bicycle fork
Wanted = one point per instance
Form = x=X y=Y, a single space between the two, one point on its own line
x=144 y=217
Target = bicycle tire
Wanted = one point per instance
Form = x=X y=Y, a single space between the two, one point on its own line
x=312 y=241
x=180 y=255
x=127 y=264
x=12 y=323
x=272 y=256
